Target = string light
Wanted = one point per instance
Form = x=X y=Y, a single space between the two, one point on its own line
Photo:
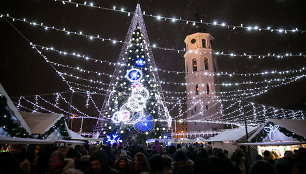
x=214 y=23
x=62 y=74
x=87 y=100
x=211 y=121
x=230 y=74
x=220 y=53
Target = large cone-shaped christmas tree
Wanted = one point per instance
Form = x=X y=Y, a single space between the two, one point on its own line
x=134 y=107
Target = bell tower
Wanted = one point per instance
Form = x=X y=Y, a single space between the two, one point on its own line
x=200 y=67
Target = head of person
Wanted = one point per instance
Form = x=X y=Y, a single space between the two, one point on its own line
x=8 y=164
x=74 y=154
x=122 y=162
x=239 y=156
x=203 y=154
x=156 y=163
x=64 y=150
x=288 y=154
x=262 y=167
x=172 y=149
x=259 y=157
x=156 y=142
x=167 y=161
x=56 y=161
x=180 y=156
x=141 y=163
x=99 y=162
x=267 y=155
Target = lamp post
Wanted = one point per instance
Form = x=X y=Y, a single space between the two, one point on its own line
x=69 y=110
x=245 y=125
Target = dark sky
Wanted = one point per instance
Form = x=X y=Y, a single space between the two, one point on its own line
x=24 y=72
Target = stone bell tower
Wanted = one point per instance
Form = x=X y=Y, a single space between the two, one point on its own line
x=200 y=67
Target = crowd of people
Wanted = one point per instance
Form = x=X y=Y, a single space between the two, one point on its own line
x=155 y=159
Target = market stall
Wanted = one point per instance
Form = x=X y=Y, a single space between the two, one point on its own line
x=229 y=139
x=279 y=135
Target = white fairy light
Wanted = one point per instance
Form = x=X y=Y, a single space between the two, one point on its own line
x=159 y=17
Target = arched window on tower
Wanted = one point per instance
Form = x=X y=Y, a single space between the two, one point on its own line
x=206 y=63
x=194 y=64
x=204 y=43
x=207 y=88
x=197 y=89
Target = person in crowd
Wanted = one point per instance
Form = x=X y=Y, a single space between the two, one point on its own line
x=141 y=164
x=262 y=167
x=167 y=164
x=220 y=164
x=72 y=171
x=156 y=163
x=181 y=164
x=69 y=161
x=284 y=165
x=8 y=164
x=56 y=163
x=299 y=166
x=20 y=155
x=239 y=159
x=99 y=164
x=258 y=157
x=123 y=164
x=269 y=157
x=225 y=153
x=171 y=151
x=201 y=163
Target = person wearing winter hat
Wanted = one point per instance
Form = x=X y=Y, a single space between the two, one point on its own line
x=181 y=164
x=123 y=165
x=100 y=164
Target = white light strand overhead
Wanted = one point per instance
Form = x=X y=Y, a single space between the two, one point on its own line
x=229 y=74
x=211 y=118
x=188 y=84
x=114 y=41
x=192 y=22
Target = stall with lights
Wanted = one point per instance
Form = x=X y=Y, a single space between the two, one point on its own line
x=279 y=135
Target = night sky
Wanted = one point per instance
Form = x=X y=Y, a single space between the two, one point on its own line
x=24 y=72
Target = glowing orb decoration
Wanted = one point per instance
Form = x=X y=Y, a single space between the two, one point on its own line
x=124 y=115
x=140 y=62
x=141 y=91
x=134 y=75
x=114 y=138
x=136 y=103
x=136 y=86
x=121 y=116
x=115 y=117
x=144 y=123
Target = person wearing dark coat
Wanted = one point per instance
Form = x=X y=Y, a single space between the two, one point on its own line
x=123 y=165
x=201 y=163
x=181 y=164
x=99 y=164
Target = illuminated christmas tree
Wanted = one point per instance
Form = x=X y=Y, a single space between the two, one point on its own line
x=134 y=106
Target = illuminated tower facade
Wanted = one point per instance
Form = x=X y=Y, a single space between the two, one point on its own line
x=200 y=67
